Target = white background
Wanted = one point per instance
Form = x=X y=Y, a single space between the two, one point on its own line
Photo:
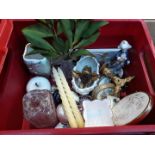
x=81 y=145
x=77 y=9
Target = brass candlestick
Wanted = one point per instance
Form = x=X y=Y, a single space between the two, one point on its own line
x=119 y=83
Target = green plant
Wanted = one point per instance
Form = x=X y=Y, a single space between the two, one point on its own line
x=62 y=38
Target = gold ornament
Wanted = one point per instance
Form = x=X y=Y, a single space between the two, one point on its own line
x=119 y=83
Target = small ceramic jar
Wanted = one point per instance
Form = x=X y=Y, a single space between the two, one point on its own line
x=36 y=63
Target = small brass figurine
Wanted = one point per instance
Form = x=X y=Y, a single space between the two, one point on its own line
x=119 y=83
x=87 y=76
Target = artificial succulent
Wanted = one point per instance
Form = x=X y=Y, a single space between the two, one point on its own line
x=64 y=38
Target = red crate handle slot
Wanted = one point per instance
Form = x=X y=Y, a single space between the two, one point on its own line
x=145 y=61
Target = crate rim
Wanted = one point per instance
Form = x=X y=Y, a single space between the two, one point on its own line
x=127 y=129
x=96 y=130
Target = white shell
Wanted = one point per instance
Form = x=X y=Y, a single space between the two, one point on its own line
x=38 y=82
x=90 y=62
x=37 y=64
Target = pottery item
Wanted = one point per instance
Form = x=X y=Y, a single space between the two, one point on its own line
x=36 y=63
x=104 y=88
x=102 y=91
x=114 y=58
x=132 y=109
x=39 y=83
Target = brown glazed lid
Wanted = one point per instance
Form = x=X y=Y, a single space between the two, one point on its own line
x=131 y=109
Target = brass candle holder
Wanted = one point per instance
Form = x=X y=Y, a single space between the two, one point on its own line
x=119 y=83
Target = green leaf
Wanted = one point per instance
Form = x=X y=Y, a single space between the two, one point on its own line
x=67 y=28
x=59 y=28
x=86 y=42
x=66 y=50
x=42 y=20
x=73 y=23
x=80 y=28
x=43 y=52
x=37 y=41
x=36 y=51
x=59 y=45
x=51 y=21
x=81 y=52
x=94 y=26
x=75 y=20
x=38 y=30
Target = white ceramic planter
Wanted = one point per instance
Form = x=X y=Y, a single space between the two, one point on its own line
x=36 y=63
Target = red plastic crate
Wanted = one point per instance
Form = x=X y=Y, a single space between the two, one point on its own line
x=15 y=75
x=5 y=32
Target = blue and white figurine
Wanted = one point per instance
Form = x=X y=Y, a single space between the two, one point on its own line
x=120 y=59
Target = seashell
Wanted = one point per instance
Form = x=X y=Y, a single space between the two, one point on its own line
x=86 y=61
x=36 y=63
